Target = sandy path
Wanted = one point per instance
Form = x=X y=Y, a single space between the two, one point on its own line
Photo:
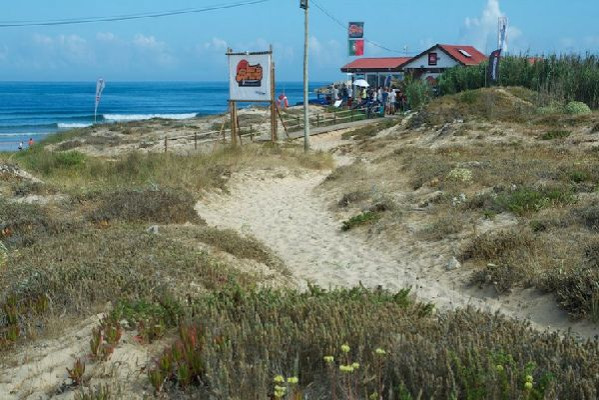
x=284 y=210
x=289 y=216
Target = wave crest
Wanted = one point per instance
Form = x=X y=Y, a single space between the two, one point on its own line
x=141 y=117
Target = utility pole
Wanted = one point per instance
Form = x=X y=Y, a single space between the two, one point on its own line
x=305 y=6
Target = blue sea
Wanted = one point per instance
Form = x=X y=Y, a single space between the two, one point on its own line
x=36 y=109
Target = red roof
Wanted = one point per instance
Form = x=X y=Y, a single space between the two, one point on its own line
x=461 y=53
x=376 y=64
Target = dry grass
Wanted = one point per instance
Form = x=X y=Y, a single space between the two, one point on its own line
x=75 y=172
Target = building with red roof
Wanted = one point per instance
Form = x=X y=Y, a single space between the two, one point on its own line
x=433 y=62
x=427 y=65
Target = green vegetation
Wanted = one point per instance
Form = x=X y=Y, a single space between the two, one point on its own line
x=555 y=134
x=365 y=218
x=357 y=342
x=555 y=78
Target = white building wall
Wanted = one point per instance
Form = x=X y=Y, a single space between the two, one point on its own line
x=443 y=61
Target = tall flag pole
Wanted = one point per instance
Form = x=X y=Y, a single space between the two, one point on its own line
x=502 y=34
x=495 y=57
x=100 y=85
x=304 y=4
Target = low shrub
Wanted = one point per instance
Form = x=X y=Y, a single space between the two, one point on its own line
x=526 y=200
x=365 y=218
x=576 y=290
x=577 y=107
x=555 y=134
x=168 y=206
x=80 y=269
x=352 y=198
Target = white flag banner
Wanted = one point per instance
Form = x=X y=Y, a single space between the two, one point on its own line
x=100 y=85
x=502 y=34
x=249 y=77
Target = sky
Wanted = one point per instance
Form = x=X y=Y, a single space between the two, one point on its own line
x=191 y=47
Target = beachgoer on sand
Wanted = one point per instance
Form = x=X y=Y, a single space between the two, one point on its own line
x=20 y=145
x=30 y=142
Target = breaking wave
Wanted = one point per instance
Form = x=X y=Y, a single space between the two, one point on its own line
x=140 y=117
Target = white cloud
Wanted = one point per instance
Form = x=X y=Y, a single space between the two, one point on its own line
x=63 y=49
x=329 y=53
x=156 y=49
x=481 y=32
x=106 y=37
x=216 y=44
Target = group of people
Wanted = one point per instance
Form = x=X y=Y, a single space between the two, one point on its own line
x=30 y=143
x=391 y=100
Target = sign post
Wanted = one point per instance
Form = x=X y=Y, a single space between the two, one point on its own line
x=305 y=5
x=100 y=85
x=251 y=80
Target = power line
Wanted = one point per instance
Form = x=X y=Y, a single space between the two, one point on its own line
x=128 y=17
x=344 y=27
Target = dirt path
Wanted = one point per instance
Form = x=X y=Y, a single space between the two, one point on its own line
x=283 y=209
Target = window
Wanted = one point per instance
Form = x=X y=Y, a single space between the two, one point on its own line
x=465 y=53
x=432 y=58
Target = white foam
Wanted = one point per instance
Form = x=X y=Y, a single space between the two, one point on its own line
x=140 y=117
x=73 y=125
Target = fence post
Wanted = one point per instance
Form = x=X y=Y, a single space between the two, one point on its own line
x=334 y=116
x=252 y=133
x=299 y=124
x=317 y=119
x=195 y=140
x=351 y=115
x=165 y=144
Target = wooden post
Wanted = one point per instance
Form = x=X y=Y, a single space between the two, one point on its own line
x=195 y=140
x=298 y=122
x=273 y=104
x=165 y=144
x=351 y=115
x=283 y=123
x=334 y=116
x=252 y=133
x=238 y=127
x=317 y=119
x=233 y=107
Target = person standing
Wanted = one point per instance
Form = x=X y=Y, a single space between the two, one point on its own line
x=385 y=97
x=30 y=142
x=20 y=145
x=391 y=102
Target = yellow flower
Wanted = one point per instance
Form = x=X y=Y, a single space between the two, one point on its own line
x=499 y=368
x=329 y=359
x=355 y=365
x=345 y=348
x=380 y=352
x=293 y=380
x=346 y=368
x=529 y=378
x=279 y=379
x=528 y=385
x=280 y=388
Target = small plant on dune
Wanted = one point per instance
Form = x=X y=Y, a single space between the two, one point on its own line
x=286 y=388
x=100 y=392
x=182 y=363
x=365 y=218
x=76 y=374
x=555 y=134
x=105 y=339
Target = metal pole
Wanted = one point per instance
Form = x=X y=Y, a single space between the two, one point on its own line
x=306 y=82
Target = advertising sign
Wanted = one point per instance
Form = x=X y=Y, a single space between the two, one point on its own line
x=356 y=48
x=249 y=77
x=493 y=69
x=356 y=30
x=432 y=58
x=502 y=34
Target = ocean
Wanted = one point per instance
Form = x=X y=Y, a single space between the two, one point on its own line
x=37 y=109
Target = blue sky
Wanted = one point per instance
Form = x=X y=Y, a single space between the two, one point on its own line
x=191 y=47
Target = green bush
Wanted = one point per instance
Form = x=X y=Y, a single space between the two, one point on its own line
x=577 y=107
x=526 y=199
x=555 y=134
x=364 y=218
x=418 y=93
